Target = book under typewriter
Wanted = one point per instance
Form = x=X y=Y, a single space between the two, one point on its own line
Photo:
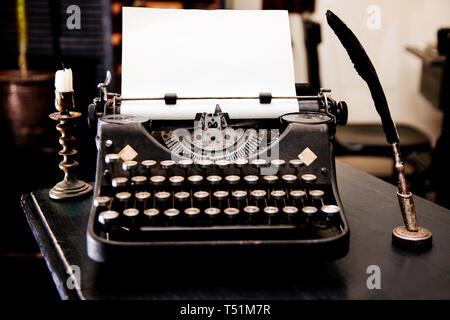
x=218 y=181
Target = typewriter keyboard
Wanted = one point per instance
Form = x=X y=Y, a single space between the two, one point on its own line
x=219 y=200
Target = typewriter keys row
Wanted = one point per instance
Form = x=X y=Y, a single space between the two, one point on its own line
x=111 y=160
x=257 y=206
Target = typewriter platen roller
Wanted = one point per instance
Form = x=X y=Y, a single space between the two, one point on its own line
x=216 y=182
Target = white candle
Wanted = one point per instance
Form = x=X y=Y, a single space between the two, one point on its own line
x=63 y=80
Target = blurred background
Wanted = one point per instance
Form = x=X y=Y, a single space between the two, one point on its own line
x=407 y=42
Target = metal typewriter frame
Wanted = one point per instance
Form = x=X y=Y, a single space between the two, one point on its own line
x=103 y=250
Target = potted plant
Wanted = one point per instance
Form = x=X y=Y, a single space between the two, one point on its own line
x=26 y=97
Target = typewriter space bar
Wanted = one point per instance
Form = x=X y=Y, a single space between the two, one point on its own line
x=220 y=228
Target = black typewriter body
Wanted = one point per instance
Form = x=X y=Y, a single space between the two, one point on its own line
x=249 y=195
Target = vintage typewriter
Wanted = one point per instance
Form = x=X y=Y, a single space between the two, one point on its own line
x=219 y=183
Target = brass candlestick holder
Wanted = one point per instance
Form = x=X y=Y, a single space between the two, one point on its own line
x=70 y=186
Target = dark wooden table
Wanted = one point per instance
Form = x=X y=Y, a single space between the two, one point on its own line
x=372 y=211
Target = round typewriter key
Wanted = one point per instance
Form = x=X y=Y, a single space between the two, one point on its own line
x=221 y=199
x=107 y=217
x=239 y=197
x=157 y=181
x=185 y=163
x=212 y=212
x=258 y=194
x=331 y=211
x=201 y=195
x=201 y=199
x=148 y=165
x=129 y=165
x=297 y=194
x=162 y=199
x=239 y=194
x=151 y=212
x=214 y=179
x=123 y=196
x=270 y=211
x=278 y=198
x=181 y=200
x=309 y=178
x=171 y=213
x=192 y=212
x=139 y=180
x=278 y=194
x=252 y=212
x=109 y=221
x=131 y=212
x=176 y=181
x=259 y=197
x=251 y=180
x=142 y=197
x=317 y=197
x=232 y=179
x=289 y=179
x=240 y=163
x=131 y=216
x=162 y=195
x=119 y=182
x=102 y=201
x=195 y=179
x=258 y=163
x=291 y=212
x=270 y=179
x=310 y=213
x=316 y=194
x=295 y=163
x=221 y=194
x=231 y=213
x=167 y=164
x=298 y=197
x=222 y=164
x=277 y=163
x=152 y=215
x=182 y=196
x=205 y=163
x=112 y=158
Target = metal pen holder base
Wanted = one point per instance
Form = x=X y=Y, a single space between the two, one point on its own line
x=413 y=240
x=410 y=236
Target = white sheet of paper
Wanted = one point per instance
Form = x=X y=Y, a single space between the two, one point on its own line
x=206 y=53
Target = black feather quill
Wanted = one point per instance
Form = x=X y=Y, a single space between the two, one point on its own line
x=366 y=70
